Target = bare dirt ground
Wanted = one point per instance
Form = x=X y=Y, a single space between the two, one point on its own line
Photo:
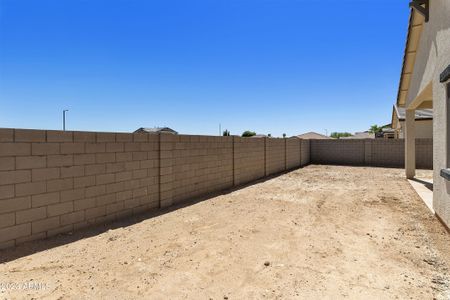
x=321 y=232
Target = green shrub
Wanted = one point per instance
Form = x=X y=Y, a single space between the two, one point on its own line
x=338 y=135
x=248 y=133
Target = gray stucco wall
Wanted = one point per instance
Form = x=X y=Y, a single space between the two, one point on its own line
x=433 y=56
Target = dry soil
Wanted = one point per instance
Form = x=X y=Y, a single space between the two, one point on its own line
x=321 y=232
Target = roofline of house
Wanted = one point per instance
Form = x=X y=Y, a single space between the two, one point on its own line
x=313 y=132
x=405 y=53
x=411 y=24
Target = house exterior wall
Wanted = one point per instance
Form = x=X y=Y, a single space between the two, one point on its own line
x=423 y=129
x=54 y=182
x=432 y=57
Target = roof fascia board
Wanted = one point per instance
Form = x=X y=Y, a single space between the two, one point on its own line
x=411 y=25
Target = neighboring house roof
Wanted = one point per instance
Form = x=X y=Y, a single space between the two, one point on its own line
x=387 y=130
x=399 y=114
x=313 y=136
x=156 y=130
x=259 y=136
x=360 y=135
x=415 y=26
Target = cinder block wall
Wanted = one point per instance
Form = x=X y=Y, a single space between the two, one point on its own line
x=387 y=153
x=424 y=153
x=344 y=152
x=275 y=155
x=293 y=154
x=305 y=152
x=370 y=152
x=194 y=165
x=249 y=159
x=53 y=182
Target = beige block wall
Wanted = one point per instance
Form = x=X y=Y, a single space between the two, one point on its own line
x=53 y=182
x=388 y=152
x=391 y=153
x=293 y=154
x=371 y=152
x=275 y=155
x=424 y=154
x=249 y=159
x=345 y=152
x=305 y=152
x=198 y=165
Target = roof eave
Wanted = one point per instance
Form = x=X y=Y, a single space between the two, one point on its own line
x=416 y=22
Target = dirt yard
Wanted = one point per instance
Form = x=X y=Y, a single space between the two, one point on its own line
x=321 y=232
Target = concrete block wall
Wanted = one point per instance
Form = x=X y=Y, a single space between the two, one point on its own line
x=387 y=153
x=346 y=152
x=293 y=153
x=370 y=152
x=275 y=155
x=53 y=182
x=305 y=150
x=249 y=159
x=424 y=153
x=194 y=166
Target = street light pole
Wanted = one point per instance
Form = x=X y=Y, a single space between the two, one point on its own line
x=64 y=119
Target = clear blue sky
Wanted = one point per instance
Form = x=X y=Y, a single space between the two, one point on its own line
x=271 y=66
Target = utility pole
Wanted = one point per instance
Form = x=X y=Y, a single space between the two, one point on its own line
x=220 y=129
x=64 y=119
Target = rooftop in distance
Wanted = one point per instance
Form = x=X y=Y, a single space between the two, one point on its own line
x=313 y=136
x=156 y=130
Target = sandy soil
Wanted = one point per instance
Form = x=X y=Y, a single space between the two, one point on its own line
x=320 y=232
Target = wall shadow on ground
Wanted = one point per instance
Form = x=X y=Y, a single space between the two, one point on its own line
x=37 y=246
